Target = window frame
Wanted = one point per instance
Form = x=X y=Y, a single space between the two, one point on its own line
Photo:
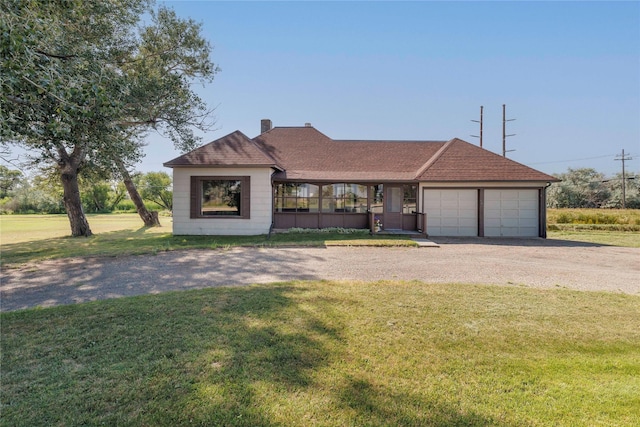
x=298 y=193
x=196 y=196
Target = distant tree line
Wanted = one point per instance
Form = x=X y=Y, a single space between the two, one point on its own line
x=588 y=188
x=43 y=193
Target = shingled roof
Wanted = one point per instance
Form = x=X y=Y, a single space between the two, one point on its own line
x=233 y=150
x=305 y=154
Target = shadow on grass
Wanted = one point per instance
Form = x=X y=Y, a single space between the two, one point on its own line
x=151 y=240
x=380 y=407
x=253 y=356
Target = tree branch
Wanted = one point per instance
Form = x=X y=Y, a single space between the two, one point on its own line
x=51 y=55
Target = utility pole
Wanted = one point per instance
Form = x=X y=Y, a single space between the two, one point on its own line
x=479 y=121
x=504 y=133
x=623 y=158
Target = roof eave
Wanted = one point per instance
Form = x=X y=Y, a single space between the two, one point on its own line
x=213 y=166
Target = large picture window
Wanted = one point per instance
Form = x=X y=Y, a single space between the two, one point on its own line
x=220 y=197
x=344 y=198
x=293 y=197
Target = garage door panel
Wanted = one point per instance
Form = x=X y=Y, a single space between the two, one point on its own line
x=468 y=222
x=528 y=214
x=529 y=204
x=451 y=212
x=449 y=204
x=528 y=222
x=450 y=222
x=491 y=222
x=510 y=222
x=511 y=213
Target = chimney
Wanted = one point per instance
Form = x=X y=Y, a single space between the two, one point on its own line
x=265 y=125
x=307 y=125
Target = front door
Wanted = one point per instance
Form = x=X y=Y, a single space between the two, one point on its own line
x=393 y=207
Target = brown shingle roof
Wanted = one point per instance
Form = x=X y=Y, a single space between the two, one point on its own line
x=304 y=153
x=235 y=149
x=461 y=161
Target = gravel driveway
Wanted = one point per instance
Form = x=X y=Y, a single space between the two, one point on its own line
x=527 y=262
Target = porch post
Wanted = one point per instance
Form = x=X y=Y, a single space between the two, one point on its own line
x=372 y=220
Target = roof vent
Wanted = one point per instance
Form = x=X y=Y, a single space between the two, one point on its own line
x=265 y=125
x=307 y=125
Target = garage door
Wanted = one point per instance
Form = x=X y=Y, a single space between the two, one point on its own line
x=451 y=212
x=511 y=213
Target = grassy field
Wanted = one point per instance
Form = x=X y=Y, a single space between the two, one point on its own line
x=312 y=353
x=616 y=227
x=329 y=354
x=606 y=219
x=27 y=238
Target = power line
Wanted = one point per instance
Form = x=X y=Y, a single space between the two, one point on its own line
x=574 y=160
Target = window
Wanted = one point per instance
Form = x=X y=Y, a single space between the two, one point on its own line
x=377 y=198
x=355 y=198
x=409 y=198
x=293 y=197
x=220 y=197
x=344 y=198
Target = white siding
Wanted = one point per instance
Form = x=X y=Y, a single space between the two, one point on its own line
x=511 y=213
x=451 y=212
x=261 y=204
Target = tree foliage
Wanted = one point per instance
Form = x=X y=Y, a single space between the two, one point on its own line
x=588 y=188
x=9 y=178
x=156 y=187
x=81 y=84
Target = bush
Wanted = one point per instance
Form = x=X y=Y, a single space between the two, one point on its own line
x=594 y=219
x=338 y=230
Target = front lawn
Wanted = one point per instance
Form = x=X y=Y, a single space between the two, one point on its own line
x=330 y=354
x=28 y=238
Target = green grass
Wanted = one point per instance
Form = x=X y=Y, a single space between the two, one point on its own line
x=329 y=354
x=28 y=238
x=616 y=227
x=595 y=219
x=610 y=238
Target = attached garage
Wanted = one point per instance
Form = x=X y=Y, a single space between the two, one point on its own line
x=451 y=212
x=512 y=213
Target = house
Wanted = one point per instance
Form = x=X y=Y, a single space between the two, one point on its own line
x=298 y=177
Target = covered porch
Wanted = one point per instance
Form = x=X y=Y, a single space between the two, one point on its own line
x=379 y=207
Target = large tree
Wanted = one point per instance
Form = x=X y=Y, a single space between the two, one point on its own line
x=82 y=82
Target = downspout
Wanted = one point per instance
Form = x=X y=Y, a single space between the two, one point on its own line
x=543 y=205
x=272 y=208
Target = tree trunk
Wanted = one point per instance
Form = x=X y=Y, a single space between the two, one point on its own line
x=150 y=218
x=73 y=203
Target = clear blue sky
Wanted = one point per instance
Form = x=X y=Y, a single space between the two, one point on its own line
x=568 y=72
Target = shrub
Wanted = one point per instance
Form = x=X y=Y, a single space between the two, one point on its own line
x=338 y=230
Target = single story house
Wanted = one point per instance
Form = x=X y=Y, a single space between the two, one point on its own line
x=298 y=177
